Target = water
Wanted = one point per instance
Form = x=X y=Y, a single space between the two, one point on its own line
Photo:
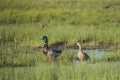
x=96 y=53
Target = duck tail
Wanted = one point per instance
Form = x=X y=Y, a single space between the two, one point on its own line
x=60 y=51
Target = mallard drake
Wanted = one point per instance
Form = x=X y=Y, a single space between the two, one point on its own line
x=81 y=55
x=51 y=54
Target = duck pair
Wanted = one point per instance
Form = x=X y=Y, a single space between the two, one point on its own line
x=52 y=54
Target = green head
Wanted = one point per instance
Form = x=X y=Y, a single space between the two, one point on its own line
x=45 y=38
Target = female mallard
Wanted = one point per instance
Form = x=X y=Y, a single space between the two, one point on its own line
x=81 y=55
x=51 y=54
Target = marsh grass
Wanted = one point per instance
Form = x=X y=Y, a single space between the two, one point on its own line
x=113 y=56
x=14 y=55
x=94 y=22
x=30 y=34
x=54 y=71
x=24 y=22
x=23 y=63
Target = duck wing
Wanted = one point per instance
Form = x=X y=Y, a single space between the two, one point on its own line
x=54 y=53
x=86 y=56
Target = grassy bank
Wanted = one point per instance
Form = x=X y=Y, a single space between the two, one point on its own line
x=90 y=22
x=30 y=34
x=87 y=71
